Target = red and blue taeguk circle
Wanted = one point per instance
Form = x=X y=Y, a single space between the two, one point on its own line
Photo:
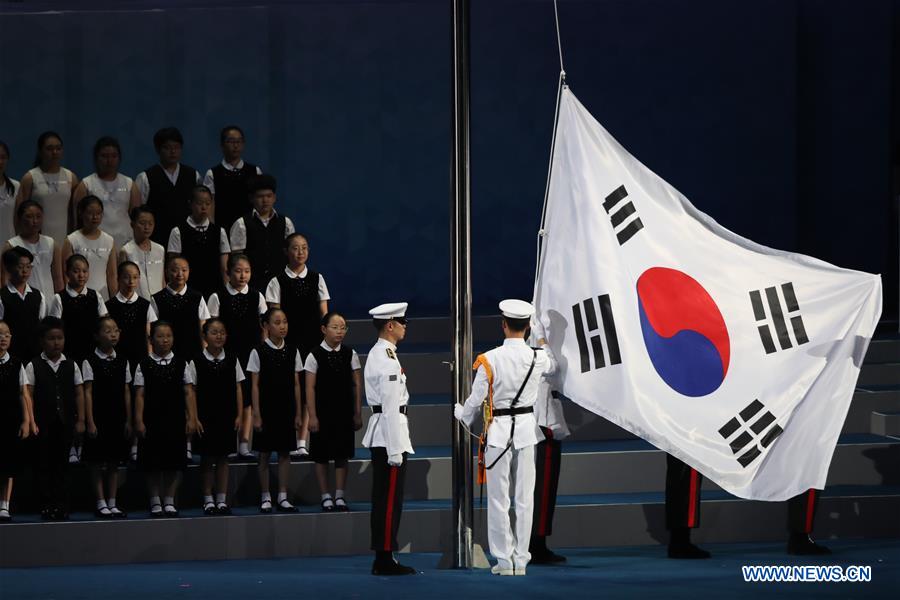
x=684 y=331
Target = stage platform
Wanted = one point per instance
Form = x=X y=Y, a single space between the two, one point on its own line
x=611 y=486
x=608 y=573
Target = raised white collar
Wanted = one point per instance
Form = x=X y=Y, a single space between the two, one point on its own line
x=300 y=275
x=232 y=291
x=272 y=345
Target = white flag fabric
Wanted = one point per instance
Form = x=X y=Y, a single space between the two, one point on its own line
x=738 y=359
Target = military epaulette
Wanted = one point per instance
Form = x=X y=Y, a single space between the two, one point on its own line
x=391 y=354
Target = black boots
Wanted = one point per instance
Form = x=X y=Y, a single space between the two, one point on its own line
x=803 y=545
x=680 y=545
x=541 y=554
x=386 y=565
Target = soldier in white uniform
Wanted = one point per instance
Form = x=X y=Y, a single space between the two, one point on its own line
x=509 y=376
x=551 y=421
x=387 y=435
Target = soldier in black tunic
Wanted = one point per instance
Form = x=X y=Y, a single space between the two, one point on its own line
x=203 y=243
x=182 y=307
x=165 y=413
x=107 y=399
x=334 y=403
x=15 y=419
x=54 y=383
x=219 y=405
x=302 y=294
x=21 y=306
x=240 y=306
x=274 y=368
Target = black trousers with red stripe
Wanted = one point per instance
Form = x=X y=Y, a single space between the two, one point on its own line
x=682 y=495
x=683 y=500
x=802 y=511
x=387 y=500
x=547 y=456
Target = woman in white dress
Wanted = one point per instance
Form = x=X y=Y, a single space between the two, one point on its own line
x=50 y=185
x=117 y=192
x=8 y=189
x=46 y=269
x=95 y=245
x=149 y=256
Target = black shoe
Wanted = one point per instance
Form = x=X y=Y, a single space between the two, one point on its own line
x=328 y=505
x=169 y=510
x=286 y=507
x=118 y=514
x=803 y=545
x=265 y=507
x=546 y=556
x=209 y=509
x=222 y=509
x=5 y=517
x=392 y=567
x=100 y=514
x=47 y=514
x=687 y=550
x=156 y=514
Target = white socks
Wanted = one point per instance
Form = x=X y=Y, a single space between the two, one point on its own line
x=220 y=498
x=169 y=500
x=266 y=497
x=338 y=493
x=244 y=448
x=282 y=496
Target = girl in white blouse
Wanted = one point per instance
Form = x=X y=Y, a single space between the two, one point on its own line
x=46 y=273
x=50 y=185
x=117 y=192
x=96 y=245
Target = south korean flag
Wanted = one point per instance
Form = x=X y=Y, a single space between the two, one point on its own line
x=736 y=358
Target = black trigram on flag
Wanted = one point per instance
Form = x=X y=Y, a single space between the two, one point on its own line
x=778 y=317
x=588 y=329
x=750 y=440
x=619 y=213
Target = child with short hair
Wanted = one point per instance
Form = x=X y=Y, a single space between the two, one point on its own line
x=334 y=404
x=46 y=273
x=240 y=307
x=303 y=295
x=55 y=385
x=149 y=256
x=260 y=233
x=165 y=187
x=94 y=244
x=203 y=243
x=218 y=377
x=228 y=179
x=78 y=306
x=16 y=420
x=274 y=368
x=183 y=307
x=21 y=306
x=164 y=412
x=107 y=400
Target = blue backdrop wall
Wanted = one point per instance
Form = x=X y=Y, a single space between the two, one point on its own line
x=764 y=113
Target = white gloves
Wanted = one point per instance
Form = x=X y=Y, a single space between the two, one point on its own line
x=458 y=411
x=395 y=460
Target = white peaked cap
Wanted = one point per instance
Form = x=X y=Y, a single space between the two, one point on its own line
x=390 y=310
x=516 y=309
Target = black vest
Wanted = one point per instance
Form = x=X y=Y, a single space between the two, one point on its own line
x=23 y=318
x=54 y=393
x=10 y=395
x=79 y=315
x=232 y=197
x=108 y=390
x=265 y=248
x=163 y=391
x=240 y=312
x=132 y=322
x=276 y=375
x=181 y=312
x=300 y=302
x=201 y=249
x=169 y=203
x=334 y=378
x=216 y=389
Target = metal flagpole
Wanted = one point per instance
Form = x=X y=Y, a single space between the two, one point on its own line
x=461 y=283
